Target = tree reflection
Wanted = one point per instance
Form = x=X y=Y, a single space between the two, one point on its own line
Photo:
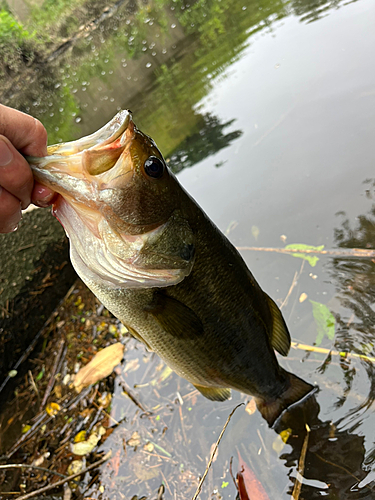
x=208 y=140
x=313 y=10
x=355 y=284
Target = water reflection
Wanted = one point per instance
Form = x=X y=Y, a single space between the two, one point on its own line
x=208 y=140
x=333 y=465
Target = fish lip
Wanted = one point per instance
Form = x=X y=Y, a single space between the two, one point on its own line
x=64 y=168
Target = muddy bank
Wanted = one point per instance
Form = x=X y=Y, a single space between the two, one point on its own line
x=35 y=274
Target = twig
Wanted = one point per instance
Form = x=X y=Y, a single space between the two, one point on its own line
x=43 y=418
x=294 y=282
x=344 y=469
x=52 y=374
x=132 y=397
x=231 y=473
x=166 y=482
x=350 y=252
x=301 y=467
x=30 y=466
x=213 y=453
x=182 y=424
x=68 y=478
x=322 y=350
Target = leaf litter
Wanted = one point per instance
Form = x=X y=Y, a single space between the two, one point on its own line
x=140 y=410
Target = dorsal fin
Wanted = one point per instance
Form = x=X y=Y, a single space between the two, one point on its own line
x=280 y=337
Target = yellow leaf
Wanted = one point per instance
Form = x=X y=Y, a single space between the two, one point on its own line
x=281 y=439
x=53 y=409
x=302 y=297
x=101 y=365
x=81 y=436
x=26 y=428
x=148 y=447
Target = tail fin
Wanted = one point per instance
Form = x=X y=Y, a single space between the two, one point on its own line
x=297 y=391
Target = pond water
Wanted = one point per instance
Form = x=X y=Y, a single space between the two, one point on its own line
x=266 y=109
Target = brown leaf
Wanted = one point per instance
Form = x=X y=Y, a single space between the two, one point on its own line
x=249 y=486
x=101 y=365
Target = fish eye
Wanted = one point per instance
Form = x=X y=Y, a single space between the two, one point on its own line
x=154 y=167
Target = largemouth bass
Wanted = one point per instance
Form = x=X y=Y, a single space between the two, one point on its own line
x=159 y=264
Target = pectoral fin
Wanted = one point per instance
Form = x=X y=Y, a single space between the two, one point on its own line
x=214 y=393
x=175 y=317
x=280 y=337
x=139 y=337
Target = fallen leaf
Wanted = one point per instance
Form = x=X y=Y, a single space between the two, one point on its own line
x=74 y=467
x=135 y=440
x=81 y=436
x=86 y=447
x=58 y=391
x=101 y=365
x=251 y=407
x=53 y=409
x=325 y=322
x=149 y=447
x=249 y=486
x=302 y=297
x=311 y=259
x=281 y=440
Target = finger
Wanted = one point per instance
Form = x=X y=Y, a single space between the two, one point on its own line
x=15 y=173
x=42 y=196
x=24 y=131
x=10 y=211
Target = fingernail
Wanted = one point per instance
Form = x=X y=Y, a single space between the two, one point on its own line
x=6 y=155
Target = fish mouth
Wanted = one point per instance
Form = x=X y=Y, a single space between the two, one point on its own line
x=78 y=170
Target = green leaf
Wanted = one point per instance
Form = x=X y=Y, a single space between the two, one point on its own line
x=311 y=259
x=40 y=375
x=325 y=322
x=224 y=484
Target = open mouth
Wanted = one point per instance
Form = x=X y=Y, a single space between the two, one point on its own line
x=70 y=169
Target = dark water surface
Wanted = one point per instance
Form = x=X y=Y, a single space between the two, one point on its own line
x=266 y=109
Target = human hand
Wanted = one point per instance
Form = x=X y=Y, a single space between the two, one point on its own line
x=19 y=133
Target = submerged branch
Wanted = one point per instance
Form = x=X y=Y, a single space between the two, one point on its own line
x=214 y=453
x=342 y=252
x=305 y=347
x=301 y=467
x=30 y=466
